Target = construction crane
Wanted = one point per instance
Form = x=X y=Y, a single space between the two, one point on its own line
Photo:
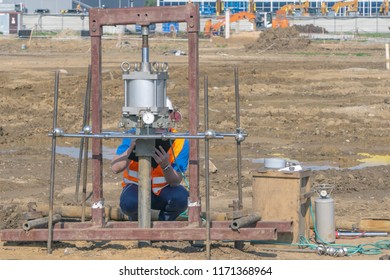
x=289 y=9
x=351 y=6
x=384 y=8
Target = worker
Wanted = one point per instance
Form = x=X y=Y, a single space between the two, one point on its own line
x=169 y=162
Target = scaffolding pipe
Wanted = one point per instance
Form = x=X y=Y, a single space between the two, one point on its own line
x=82 y=140
x=41 y=222
x=86 y=145
x=245 y=221
x=207 y=166
x=238 y=140
x=53 y=162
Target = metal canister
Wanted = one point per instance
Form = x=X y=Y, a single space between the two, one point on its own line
x=325 y=222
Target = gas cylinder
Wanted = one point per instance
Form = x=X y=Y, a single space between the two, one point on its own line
x=324 y=217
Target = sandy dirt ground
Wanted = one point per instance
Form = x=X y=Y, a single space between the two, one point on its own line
x=326 y=103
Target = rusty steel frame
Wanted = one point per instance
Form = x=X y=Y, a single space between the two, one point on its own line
x=98 y=228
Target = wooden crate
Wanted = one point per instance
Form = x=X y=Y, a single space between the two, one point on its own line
x=283 y=196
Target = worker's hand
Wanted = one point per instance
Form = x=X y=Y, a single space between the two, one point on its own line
x=161 y=157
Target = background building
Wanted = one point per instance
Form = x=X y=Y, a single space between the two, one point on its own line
x=55 y=6
x=366 y=7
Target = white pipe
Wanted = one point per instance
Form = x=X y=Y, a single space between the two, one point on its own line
x=387 y=57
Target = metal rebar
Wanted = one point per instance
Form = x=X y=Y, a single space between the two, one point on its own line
x=86 y=109
x=207 y=167
x=86 y=144
x=53 y=161
x=238 y=125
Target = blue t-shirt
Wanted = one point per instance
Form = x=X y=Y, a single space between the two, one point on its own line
x=180 y=163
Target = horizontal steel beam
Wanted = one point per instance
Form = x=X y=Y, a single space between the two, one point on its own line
x=175 y=230
x=154 y=234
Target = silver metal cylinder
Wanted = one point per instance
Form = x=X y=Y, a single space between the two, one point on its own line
x=325 y=222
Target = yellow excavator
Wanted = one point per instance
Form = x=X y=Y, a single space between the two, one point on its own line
x=351 y=6
x=261 y=19
x=290 y=9
x=384 y=8
x=324 y=8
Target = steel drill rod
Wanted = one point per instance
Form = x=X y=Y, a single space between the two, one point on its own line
x=144 y=194
x=82 y=140
x=53 y=162
x=41 y=222
x=207 y=167
x=86 y=145
x=238 y=125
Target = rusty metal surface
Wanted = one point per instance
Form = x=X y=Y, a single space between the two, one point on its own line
x=143 y=16
x=161 y=234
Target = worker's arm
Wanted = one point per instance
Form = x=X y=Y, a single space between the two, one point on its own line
x=120 y=162
x=171 y=175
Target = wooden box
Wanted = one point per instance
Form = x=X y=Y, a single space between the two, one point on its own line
x=283 y=196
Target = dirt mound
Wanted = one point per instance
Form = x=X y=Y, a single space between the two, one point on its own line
x=278 y=39
x=310 y=28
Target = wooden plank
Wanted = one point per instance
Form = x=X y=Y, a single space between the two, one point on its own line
x=374 y=224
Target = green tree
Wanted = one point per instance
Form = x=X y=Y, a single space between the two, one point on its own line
x=149 y=3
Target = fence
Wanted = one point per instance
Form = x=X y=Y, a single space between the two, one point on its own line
x=331 y=24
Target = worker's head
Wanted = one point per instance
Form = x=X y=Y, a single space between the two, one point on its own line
x=170 y=105
x=174 y=114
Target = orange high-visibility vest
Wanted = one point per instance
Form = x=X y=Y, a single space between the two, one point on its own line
x=130 y=175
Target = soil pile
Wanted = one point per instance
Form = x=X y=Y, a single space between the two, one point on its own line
x=278 y=39
x=310 y=28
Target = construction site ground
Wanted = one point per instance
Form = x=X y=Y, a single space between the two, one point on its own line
x=325 y=104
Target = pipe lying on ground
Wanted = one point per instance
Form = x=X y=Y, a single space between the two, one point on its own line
x=41 y=222
x=244 y=221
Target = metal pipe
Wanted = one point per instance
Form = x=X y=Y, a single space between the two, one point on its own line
x=244 y=221
x=238 y=125
x=41 y=222
x=86 y=145
x=86 y=107
x=207 y=166
x=144 y=193
x=108 y=135
x=145 y=48
x=340 y=234
x=53 y=162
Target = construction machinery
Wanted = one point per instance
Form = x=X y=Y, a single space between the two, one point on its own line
x=384 y=8
x=324 y=8
x=350 y=6
x=261 y=20
x=280 y=20
x=290 y=9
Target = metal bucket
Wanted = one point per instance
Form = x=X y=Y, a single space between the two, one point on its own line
x=274 y=163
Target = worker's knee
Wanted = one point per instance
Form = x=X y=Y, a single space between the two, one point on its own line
x=129 y=200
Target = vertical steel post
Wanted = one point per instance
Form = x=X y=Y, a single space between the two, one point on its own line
x=238 y=130
x=207 y=166
x=86 y=144
x=194 y=208
x=97 y=151
x=53 y=163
